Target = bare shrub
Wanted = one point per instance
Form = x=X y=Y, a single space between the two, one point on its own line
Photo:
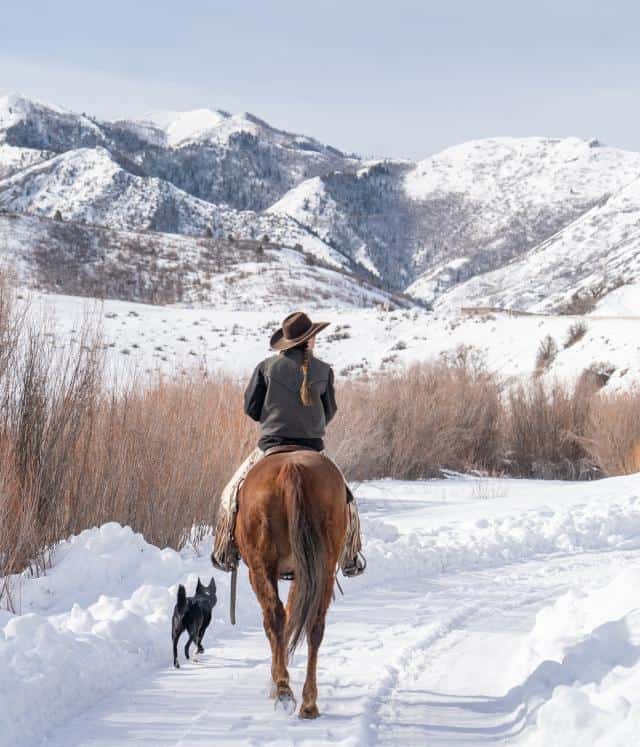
x=544 y=428
x=579 y=304
x=159 y=458
x=575 y=333
x=46 y=397
x=415 y=423
x=598 y=373
x=613 y=435
x=74 y=455
x=546 y=354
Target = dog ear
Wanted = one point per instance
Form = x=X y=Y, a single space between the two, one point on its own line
x=212 y=584
x=199 y=585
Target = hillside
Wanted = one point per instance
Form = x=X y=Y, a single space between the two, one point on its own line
x=510 y=195
x=489 y=221
x=83 y=259
x=573 y=269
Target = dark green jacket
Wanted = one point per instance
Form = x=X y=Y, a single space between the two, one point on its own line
x=273 y=399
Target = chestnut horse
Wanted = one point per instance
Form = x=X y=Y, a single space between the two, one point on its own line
x=292 y=515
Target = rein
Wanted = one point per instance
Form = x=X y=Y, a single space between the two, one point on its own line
x=234 y=593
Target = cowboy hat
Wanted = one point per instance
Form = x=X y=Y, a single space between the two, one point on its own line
x=296 y=329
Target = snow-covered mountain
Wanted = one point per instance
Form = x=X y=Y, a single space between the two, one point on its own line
x=596 y=253
x=467 y=211
x=478 y=223
x=510 y=195
x=234 y=159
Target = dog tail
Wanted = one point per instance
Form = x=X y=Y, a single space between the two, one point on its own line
x=182 y=597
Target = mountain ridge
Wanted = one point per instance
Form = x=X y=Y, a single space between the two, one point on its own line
x=437 y=228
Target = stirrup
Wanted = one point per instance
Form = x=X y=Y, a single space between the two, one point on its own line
x=226 y=567
x=230 y=561
x=355 y=567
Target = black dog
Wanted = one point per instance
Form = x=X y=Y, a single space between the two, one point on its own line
x=193 y=615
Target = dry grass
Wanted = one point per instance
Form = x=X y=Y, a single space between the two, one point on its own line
x=433 y=416
x=543 y=430
x=73 y=456
x=545 y=355
x=613 y=437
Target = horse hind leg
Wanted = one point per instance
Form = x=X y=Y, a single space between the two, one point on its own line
x=315 y=633
x=265 y=585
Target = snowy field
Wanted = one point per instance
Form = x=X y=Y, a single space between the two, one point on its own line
x=492 y=611
x=148 y=338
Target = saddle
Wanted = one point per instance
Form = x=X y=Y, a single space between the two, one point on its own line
x=286 y=448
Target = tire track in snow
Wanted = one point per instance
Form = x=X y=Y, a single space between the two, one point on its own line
x=436 y=631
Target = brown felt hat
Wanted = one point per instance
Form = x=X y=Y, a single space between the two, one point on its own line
x=296 y=329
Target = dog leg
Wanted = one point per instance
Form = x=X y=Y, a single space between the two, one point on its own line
x=186 y=648
x=176 y=663
x=201 y=632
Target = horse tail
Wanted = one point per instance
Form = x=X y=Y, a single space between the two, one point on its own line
x=307 y=546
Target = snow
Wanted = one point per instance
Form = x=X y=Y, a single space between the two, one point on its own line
x=87 y=185
x=232 y=338
x=570 y=261
x=587 y=646
x=624 y=301
x=537 y=169
x=181 y=127
x=13 y=159
x=550 y=214
x=215 y=126
x=516 y=222
x=16 y=108
x=362 y=256
x=463 y=573
x=308 y=198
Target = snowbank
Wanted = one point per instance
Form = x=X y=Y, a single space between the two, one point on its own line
x=624 y=301
x=493 y=540
x=100 y=618
x=588 y=646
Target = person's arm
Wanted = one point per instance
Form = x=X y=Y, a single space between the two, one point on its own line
x=329 y=399
x=254 y=394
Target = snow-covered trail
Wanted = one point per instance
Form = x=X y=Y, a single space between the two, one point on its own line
x=429 y=663
x=492 y=611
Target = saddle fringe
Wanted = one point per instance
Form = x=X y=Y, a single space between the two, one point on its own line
x=224 y=554
x=352 y=541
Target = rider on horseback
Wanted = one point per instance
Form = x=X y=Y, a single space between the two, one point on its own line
x=291 y=395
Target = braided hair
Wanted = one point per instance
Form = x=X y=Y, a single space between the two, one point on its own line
x=305 y=388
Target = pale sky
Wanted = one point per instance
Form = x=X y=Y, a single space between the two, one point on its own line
x=400 y=78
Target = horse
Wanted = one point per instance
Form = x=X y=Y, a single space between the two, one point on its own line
x=291 y=522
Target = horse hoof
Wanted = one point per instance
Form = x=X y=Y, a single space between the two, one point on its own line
x=309 y=711
x=287 y=702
